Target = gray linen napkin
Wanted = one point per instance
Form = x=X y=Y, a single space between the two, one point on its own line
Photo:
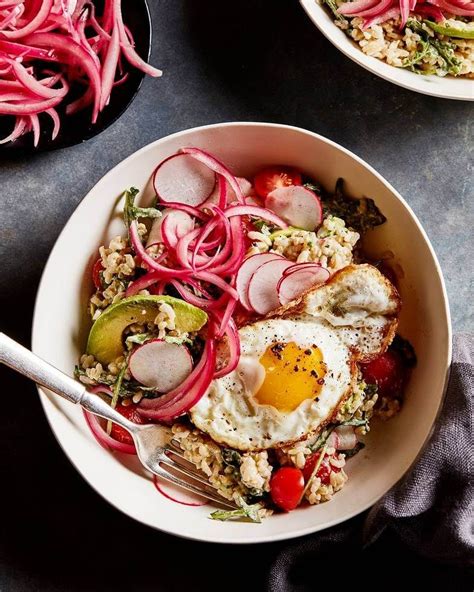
x=432 y=509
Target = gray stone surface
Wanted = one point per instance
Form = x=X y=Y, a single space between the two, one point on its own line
x=253 y=60
x=260 y=61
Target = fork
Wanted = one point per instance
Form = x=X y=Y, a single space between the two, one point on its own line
x=156 y=450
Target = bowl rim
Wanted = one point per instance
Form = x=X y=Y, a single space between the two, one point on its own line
x=373 y=66
x=226 y=539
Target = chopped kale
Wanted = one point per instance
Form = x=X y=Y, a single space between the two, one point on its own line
x=370 y=390
x=430 y=45
x=405 y=350
x=361 y=214
x=231 y=457
x=357 y=448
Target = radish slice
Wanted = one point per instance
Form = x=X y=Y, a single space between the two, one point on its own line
x=175 y=225
x=346 y=438
x=299 y=266
x=181 y=399
x=262 y=290
x=297 y=205
x=246 y=271
x=178 y=494
x=161 y=365
x=183 y=179
x=294 y=284
x=100 y=434
x=245 y=187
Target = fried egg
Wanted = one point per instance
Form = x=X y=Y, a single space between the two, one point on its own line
x=297 y=368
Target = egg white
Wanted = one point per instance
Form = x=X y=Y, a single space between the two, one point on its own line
x=230 y=412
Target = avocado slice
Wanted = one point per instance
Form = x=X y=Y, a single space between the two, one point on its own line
x=105 y=337
x=453 y=28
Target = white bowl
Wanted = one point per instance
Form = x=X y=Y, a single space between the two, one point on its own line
x=445 y=87
x=61 y=325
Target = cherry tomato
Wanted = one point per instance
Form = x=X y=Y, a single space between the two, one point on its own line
x=130 y=412
x=324 y=471
x=275 y=177
x=286 y=487
x=387 y=371
x=96 y=278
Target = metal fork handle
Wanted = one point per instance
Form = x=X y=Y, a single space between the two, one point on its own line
x=29 y=364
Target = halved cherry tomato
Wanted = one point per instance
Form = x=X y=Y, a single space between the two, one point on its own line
x=130 y=412
x=275 y=177
x=387 y=371
x=97 y=268
x=324 y=471
x=286 y=487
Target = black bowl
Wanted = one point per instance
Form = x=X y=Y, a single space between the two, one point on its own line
x=78 y=128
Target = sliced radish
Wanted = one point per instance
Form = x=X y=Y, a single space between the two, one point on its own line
x=262 y=291
x=293 y=284
x=183 y=179
x=175 y=225
x=161 y=365
x=245 y=187
x=297 y=205
x=346 y=437
x=178 y=494
x=246 y=271
x=299 y=266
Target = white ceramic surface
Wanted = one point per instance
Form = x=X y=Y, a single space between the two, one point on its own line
x=445 y=87
x=61 y=325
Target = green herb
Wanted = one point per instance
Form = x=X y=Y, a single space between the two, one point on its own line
x=231 y=457
x=313 y=186
x=361 y=214
x=354 y=422
x=132 y=212
x=446 y=51
x=424 y=50
x=139 y=338
x=246 y=511
x=78 y=371
x=353 y=451
x=437 y=48
x=322 y=438
x=333 y=7
x=177 y=340
x=261 y=226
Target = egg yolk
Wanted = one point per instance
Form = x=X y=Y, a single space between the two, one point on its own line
x=292 y=374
